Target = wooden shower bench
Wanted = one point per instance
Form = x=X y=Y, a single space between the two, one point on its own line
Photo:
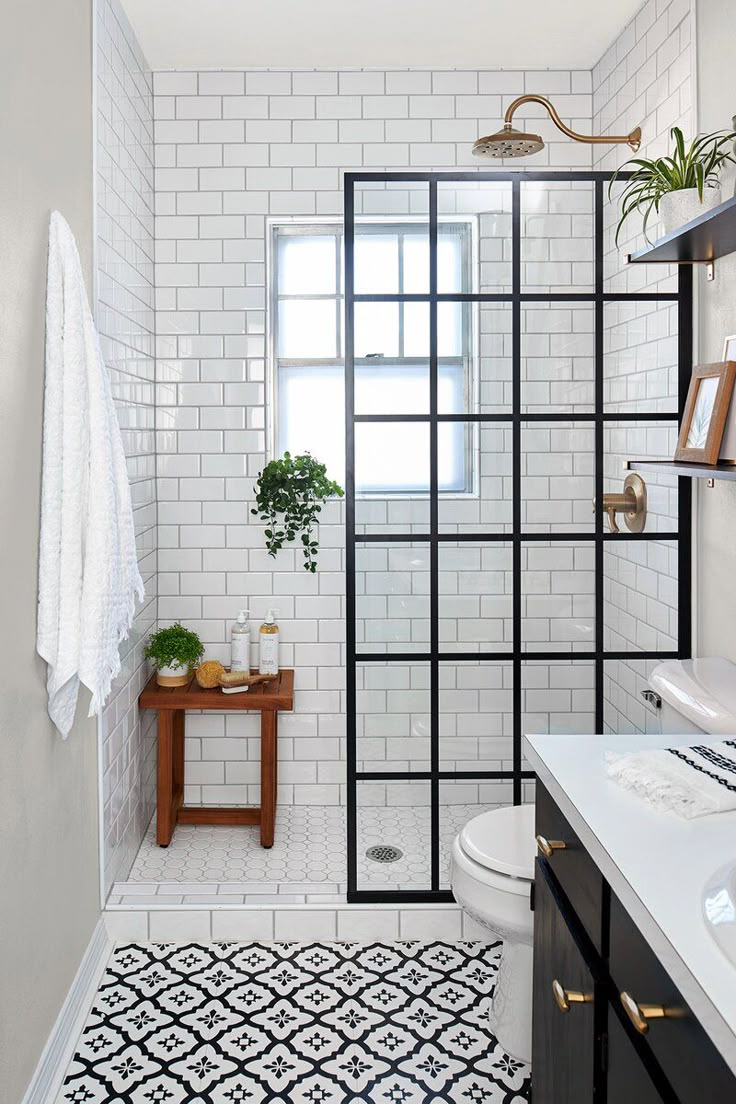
x=171 y=705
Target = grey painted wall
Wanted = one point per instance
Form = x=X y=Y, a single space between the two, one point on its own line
x=48 y=788
x=716 y=41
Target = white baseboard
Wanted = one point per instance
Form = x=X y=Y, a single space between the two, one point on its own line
x=57 y=1054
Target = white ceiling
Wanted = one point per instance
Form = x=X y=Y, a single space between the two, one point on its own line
x=292 y=34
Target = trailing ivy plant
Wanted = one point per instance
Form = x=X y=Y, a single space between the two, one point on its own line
x=290 y=494
x=693 y=166
x=175 y=647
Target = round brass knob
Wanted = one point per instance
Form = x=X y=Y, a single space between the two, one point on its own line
x=566 y=997
x=548 y=847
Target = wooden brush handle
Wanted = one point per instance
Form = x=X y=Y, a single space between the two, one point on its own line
x=243 y=678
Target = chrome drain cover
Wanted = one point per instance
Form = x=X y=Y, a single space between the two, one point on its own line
x=384 y=853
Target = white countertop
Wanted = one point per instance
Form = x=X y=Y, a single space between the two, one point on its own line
x=656 y=863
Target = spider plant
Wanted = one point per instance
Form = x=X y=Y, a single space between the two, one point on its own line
x=694 y=166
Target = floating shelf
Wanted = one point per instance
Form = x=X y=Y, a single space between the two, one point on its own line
x=678 y=467
x=702 y=241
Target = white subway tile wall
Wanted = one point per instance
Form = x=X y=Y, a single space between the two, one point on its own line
x=231 y=153
x=126 y=323
x=645 y=78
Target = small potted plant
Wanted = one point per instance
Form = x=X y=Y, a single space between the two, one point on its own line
x=680 y=186
x=289 y=496
x=175 y=652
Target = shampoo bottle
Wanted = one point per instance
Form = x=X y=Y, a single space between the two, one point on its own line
x=240 y=643
x=269 y=645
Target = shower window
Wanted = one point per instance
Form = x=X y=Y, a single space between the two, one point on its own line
x=392 y=347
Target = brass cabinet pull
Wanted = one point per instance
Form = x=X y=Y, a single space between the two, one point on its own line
x=566 y=997
x=547 y=847
x=640 y=1014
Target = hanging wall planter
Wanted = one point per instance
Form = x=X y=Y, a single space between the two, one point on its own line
x=290 y=494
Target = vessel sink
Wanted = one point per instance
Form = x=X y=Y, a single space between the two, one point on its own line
x=719 y=909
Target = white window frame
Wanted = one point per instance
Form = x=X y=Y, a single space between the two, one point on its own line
x=313 y=225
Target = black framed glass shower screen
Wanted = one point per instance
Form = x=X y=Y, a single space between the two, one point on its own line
x=581 y=365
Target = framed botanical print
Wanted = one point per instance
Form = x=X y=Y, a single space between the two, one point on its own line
x=706 y=410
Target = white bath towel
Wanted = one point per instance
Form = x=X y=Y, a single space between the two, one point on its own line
x=88 y=575
x=691 y=781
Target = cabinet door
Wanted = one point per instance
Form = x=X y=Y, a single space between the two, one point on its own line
x=563 y=1041
x=628 y=1080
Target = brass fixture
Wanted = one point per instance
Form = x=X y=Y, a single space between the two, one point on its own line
x=510 y=142
x=566 y=997
x=548 y=847
x=640 y=1014
x=632 y=504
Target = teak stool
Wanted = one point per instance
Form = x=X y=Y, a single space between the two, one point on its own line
x=171 y=704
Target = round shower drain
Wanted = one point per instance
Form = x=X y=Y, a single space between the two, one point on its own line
x=384 y=853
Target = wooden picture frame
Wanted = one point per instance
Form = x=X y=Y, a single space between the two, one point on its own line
x=706 y=410
x=728 y=441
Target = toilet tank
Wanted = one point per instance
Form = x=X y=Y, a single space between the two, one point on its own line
x=698 y=696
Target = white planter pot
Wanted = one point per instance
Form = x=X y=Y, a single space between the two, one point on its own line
x=677 y=208
x=172 y=676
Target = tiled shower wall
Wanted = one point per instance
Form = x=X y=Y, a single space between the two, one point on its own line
x=125 y=320
x=646 y=77
x=233 y=150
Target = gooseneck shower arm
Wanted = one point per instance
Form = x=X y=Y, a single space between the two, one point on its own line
x=633 y=139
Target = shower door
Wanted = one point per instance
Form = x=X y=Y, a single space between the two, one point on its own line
x=501 y=362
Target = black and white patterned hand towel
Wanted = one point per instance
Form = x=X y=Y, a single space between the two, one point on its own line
x=691 y=781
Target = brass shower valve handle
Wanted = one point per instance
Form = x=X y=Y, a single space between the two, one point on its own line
x=632 y=504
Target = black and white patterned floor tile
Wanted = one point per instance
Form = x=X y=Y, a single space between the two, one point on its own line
x=318 y=1023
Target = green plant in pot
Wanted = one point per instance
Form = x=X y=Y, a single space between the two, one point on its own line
x=290 y=494
x=679 y=186
x=175 y=652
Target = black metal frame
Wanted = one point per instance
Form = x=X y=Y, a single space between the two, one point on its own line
x=516 y=538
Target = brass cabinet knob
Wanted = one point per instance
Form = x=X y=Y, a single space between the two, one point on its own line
x=547 y=847
x=566 y=997
x=640 y=1014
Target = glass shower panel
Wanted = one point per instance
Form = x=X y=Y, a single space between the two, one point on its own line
x=392 y=717
x=640 y=588
x=476 y=716
x=475 y=596
x=558 y=358
x=558 y=477
x=459 y=803
x=391 y=238
x=625 y=440
x=557 y=236
x=485 y=503
x=640 y=357
x=394 y=832
x=392 y=597
x=485 y=208
x=558 y=596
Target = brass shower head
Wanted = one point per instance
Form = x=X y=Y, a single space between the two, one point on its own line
x=510 y=142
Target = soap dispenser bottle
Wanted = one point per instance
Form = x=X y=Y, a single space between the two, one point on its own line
x=268 y=638
x=240 y=643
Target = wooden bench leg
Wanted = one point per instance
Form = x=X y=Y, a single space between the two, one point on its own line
x=165 y=816
x=269 y=757
x=178 y=762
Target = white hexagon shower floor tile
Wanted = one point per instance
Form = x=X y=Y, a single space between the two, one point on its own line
x=308 y=855
x=290 y=1023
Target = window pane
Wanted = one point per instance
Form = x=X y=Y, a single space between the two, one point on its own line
x=392 y=389
x=376 y=264
x=307 y=264
x=376 y=329
x=392 y=457
x=449 y=263
x=311 y=415
x=307 y=328
x=416 y=264
x=416 y=329
x=449 y=329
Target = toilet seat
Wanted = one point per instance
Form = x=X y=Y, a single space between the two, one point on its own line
x=502 y=841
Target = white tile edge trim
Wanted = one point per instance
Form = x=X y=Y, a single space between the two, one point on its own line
x=57 y=1054
x=308 y=906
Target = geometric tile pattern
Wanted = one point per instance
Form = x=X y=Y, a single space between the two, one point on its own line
x=318 y=1023
x=307 y=859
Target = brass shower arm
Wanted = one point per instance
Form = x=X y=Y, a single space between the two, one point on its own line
x=633 y=139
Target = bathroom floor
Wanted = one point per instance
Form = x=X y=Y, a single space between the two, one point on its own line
x=395 y=1023
x=306 y=863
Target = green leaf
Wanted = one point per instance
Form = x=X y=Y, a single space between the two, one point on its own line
x=290 y=492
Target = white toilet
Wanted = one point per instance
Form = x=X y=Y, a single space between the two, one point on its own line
x=695 y=695
x=491 y=874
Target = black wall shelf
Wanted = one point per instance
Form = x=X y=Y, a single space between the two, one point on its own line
x=702 y=241
x=692 y=470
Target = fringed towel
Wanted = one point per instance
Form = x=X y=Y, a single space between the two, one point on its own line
x=88 y=576
x=691 y=781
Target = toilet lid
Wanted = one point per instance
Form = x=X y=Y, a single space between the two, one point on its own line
x=502 y=840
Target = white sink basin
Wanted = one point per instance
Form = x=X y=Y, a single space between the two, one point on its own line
x=719 y=910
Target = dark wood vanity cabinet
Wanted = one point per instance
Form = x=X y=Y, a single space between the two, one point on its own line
x=590 y=1046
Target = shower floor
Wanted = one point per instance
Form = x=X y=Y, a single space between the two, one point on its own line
x=307 y=863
